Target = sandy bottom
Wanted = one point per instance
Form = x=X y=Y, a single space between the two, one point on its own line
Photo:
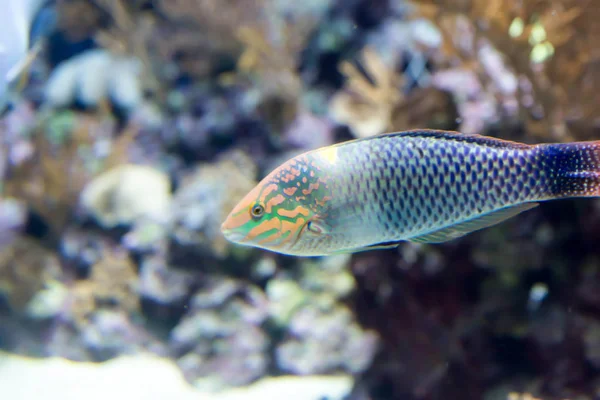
x=144 y=377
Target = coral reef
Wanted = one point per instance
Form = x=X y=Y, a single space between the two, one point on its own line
x=223 y=323
x=143 y=122
x=546 y=65
x=319 y=332
x=25 y=268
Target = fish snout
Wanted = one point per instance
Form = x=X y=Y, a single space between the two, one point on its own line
x=231 y=232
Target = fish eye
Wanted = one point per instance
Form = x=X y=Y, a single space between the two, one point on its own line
x=257 y=211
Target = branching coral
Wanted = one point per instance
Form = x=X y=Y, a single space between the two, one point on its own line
x=202 y=32
x=376 y=102
x=112 y=285
x=129 y=35
x=549 y=44
x=220 y=339
x=321 y=334
x=25 y=268
x=367 y=106
x=65 y=156
x=114 y=278
x=256 y=45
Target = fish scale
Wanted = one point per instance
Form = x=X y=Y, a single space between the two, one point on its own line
x=424 y=186
x=417 y=196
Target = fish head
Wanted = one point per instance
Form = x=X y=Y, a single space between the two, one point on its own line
x=285 y=212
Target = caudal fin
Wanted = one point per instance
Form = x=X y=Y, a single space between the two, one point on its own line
x=573 y=169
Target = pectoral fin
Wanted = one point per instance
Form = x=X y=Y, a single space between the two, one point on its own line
x=463 y=228
x=377 y=246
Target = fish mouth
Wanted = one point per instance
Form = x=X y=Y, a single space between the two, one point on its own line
x=233 y=235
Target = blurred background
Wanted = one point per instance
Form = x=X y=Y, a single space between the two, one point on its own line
x=130 y=128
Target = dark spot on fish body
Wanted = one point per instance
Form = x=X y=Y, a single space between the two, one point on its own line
x=532 y=182
x=511 y=162
x=446 y=168
x=529 y=168
x=424 y=169
x=430 y=180
x=396 y=163
x=502 y=162
x=463 y=177
x=457 y=168
x=363 y=196
x=428 y=209
x=397 y=179
x=518 y=169
x=388 y=214
x=472 y=158
x=388 y=195
x=447 y=190
x=394 y=194
x=382 y=206
x=409 y=184
x=474 y=175
x=418 y=212
x=480 y=185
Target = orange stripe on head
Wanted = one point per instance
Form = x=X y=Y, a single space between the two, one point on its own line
x=299 y=210
x=275 y=201
x=287 y=233
x=289 y=177
x=311 y=187
x=267 y=190
x=265 y=226
x=323 y=201
x=290 y=191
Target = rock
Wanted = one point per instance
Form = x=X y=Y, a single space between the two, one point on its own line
x=127 y=193
x=95 y=76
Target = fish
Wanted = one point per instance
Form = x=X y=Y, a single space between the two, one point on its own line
x=17 y=50
x=422 y=186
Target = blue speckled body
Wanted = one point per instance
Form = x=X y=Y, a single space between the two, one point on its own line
x=406 y=185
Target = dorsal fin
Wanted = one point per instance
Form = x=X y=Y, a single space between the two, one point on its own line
x=447 y=135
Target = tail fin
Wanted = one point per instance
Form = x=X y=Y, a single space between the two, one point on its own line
x=574 y=169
